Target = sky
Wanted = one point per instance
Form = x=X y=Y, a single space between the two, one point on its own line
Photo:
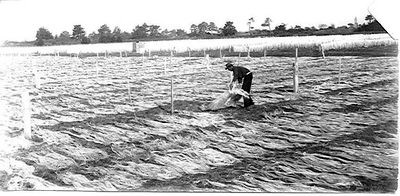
x=20 y=19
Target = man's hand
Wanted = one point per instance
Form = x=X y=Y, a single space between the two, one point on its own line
x=230 y=86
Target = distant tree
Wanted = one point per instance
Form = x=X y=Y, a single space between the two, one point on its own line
x=374 y=26
x=250 y=23
x=322 y=26
x=94 y=37
x=229 y=29
x=267 y=23
x=164 y=33
x=78 y=32
x=43 y=34
x=281 y=27
x=116 y=35
x=369 y=18
x=212 y=27
x=332 y=26
x=154 y=31
x=65 y=35
x=180 y=33
x=39 y=42
x=203 y=27
x=298 y=27
x=172 y=33
x=126 y=36
x=104 y=29
x=141 y=31
x=85 y=40
x=105 y=35
x=194 y=29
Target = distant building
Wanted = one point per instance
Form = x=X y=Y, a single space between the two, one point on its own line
x=213 y=32
x=355 y=23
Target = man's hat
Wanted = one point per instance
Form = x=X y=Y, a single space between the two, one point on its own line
x=228 y=65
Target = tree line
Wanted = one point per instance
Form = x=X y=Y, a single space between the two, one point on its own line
x=203 y=30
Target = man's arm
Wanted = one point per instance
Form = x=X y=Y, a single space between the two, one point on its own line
x=235 y=75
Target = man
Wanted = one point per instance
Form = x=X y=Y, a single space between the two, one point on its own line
x=241 y=74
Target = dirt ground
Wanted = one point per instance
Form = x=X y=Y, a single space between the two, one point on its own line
x=88 y=134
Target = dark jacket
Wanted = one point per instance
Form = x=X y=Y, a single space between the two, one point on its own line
x=239 y=73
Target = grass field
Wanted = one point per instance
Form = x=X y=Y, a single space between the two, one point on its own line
x=88 y=134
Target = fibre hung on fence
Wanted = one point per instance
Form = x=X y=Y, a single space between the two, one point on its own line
x=236 y=44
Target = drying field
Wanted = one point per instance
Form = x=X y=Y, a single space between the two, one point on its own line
x=90 y=134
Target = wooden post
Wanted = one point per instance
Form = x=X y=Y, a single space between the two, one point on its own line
x=120 y=53
x=230 y=49
x=207 y=61
x=220 y=53
x=340 y=68
x=296 y=74
x=105 y=54
x=265 y=53
x=97 y=55
x=172 y=95
x=189 y=52
x=26 y=104
x=149 y=53
x=323 y=52
x=204 y=51
x=248 y=51
x=126 y=54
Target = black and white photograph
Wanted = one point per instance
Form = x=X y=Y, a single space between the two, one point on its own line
x=210 y=96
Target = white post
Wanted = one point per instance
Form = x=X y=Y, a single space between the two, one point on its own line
x=207 y=61
x=120 y=54
x=128 y=83
x=340 y=68
x=37 y=78
x=26 y=104
x=172 y=95
x=323 y=52
x=248 y=51
x=296 y=74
